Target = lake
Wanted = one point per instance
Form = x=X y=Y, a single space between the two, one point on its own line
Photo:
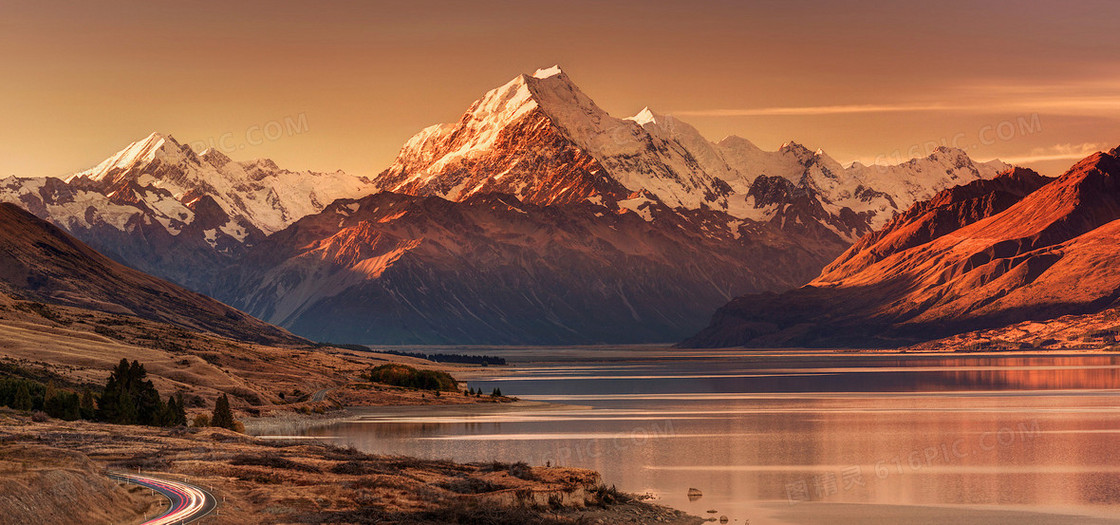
x=797 y=437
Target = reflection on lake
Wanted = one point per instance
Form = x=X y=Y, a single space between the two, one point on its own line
x=800 y=438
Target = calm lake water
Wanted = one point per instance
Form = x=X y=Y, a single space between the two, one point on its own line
x=818 y=437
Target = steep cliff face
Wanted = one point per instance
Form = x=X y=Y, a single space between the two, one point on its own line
x=984 y=255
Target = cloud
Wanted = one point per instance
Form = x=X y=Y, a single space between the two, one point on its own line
x=1093 y=105
x=1057 y=152
x=811 y=110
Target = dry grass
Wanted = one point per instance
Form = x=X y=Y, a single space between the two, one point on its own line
x=306 y=482
x=42 y=484
x=81 y=346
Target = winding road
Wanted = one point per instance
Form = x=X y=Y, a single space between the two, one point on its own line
x=188 y=502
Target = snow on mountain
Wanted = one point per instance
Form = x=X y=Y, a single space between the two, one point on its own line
x=984 y=255
x=74 y=208
x=160 y=207
x=921 y=178
x=875 y=192
x=540 y=138
x=265 y=196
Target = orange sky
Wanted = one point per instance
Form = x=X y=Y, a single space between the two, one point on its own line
x=1035 y=82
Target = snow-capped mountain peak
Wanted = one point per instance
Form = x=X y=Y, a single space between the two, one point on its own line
x=645 y=116
x=159 y=183
x=546 y=72
x=141 y=152
x=542 y=139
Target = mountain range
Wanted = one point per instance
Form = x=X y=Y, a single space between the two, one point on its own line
x=992 y=253
x=536 y=218
x=160 y=207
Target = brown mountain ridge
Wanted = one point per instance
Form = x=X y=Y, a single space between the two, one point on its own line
x=40 y=262
x=987 y=254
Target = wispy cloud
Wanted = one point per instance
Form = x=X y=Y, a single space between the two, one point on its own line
x=1057 y=152
x=811 y=110
x=1097 y=105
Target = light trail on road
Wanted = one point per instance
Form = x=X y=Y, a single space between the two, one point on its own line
x=188 y=502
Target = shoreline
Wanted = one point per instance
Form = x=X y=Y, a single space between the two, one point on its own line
x=291 y=422
x=295 y=481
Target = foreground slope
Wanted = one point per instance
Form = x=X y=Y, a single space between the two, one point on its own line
x=270 y=481
x=985 y=255
x=41 y=262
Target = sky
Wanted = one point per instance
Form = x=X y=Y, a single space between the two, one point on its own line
x=343 y=84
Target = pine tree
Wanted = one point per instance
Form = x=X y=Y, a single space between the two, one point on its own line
x=180 y=410
x=22 y=399
x=87 y=408
x=174 y=414
x=50 y=393
x=73 y=411
x=55 y=404
x=150 y=409
x=117 y=404
x=223 y=416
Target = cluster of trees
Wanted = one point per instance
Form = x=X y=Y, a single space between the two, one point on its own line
x=484 y=360
x=409 y=377
x=129 y=398
x=497 y=392
x=28 y=394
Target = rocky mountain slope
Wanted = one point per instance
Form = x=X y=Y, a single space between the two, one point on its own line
x=162 y=208
x=40 y=262
x=492 y=269
x=988 y=254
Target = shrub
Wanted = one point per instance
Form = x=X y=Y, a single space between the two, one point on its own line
x=201 y=420
x=409 y=377
x=521 y=470
x=275 y=462
x=604 y=496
